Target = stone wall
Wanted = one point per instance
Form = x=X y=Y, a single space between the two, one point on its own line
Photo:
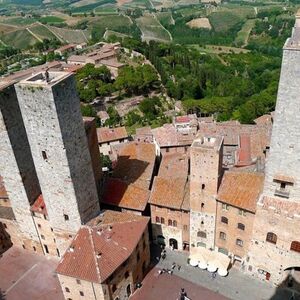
x=54 y=124
x=16 y=163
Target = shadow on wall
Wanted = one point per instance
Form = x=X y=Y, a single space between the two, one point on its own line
x=2 y=295
x=289 y=289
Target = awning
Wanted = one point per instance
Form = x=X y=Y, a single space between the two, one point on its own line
x=193 y=262
x=211 y=267
x=222 y=272
x=202 y=265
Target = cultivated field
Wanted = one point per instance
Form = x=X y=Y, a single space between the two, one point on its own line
x=152 y=30
x=165 y=18
x=19 y=39
x=223 y=20
x=243 y=35
x=70 y=36
x=199 y=23
x=42 y=31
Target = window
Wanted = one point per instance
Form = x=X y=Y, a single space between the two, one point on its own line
x=162 y=220
x=203 y=186
x=241 y=226
x=157 y=219
x=224 y=220
x=185 y=227
x=57 y=251
x=225 y=206
x=52 y=229
x=66 y=217
x=81 y=293
x=295 y=246
x=239 y=242
x=39 y=226
x=222 y=235
x=42 y=237
x=282 y=185
x=202 y=205
x=169 y=222
x=201 y=234
x=44 y=154
x=126 y=274
x=271 y=238
x=46 y=248
x=67 y=289
x=34 y=249
x=114 y=288
x=174 y=223
x=23 y=246
x=200 y=244
x=167 y=150
x=242 y=212
x=78 y=281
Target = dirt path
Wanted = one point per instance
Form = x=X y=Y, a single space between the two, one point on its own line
x=34 y=35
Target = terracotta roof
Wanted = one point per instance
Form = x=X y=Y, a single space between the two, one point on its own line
x=106 y=134
x=39 y=205
x=168 y=192
x=263 y=120
x=3 y=193
x=169 y=186
x=129 y=187
x=241 y=189
x=182 y=119
x=143 y=131
x=77 y=58
x=98 y=250
x=119 y=193
x=6 y=213
x=65 y=48
x=244 y=152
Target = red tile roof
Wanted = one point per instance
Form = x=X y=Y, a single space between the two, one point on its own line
x=39 y=205
x=106 y=134
x=3 y=193
x=241 y=189
x=244 y=152
x=99 y=248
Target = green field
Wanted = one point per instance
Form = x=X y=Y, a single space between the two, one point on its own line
x=152 y=30
x=106 y=9
x=51 y=19
x=42 y=32
x=243 y=35
x=19 y=21
x=165 y=18
x=223 y=21
x=20 y=39
x=71 y=36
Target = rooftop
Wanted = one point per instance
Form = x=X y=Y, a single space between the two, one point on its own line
x=39 y=205
x=47 y=78
x=208 y=142
x=100 y=247
x=106 y=134
x=241 y=189
x=3 y=193
x=294 y=41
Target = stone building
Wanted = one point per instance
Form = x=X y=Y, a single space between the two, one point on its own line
x=91 y=134
x=115 y=250
x=276 y=233
x=18 y=171
x=169 y=203
x=236 y=206
x=51 y=113
x=206 y=171
x=128 y=188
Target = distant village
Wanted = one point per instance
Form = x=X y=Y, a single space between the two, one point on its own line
x=224 y=192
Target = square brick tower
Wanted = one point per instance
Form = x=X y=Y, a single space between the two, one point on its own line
x=206 y=171
x=275 y=246
x=51 y=112
x=17 y=168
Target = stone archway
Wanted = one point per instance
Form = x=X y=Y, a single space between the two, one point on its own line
x=173 y=243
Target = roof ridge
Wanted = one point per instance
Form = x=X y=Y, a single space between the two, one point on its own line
x=94 y=254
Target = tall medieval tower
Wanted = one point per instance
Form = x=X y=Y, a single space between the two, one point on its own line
x=206 y=171
x=17 y=168
x=51 y=112
x=275 y=247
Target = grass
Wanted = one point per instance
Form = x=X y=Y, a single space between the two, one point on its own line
x=20 y=39
x=42 y=32
x=109 y=33
x=223 y=21
x=19 y=21
x=165 y=18
x=106 y=9
x=51 y=19
x=243 y=35
x=152 y=30
x=71 y=36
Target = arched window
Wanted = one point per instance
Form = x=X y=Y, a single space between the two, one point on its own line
x=271 y=238
x=203 y=186
x=224 y=220
x=222 y=235
x=157 y=219
x=201 y=234
x=169 y=222
x=174 y=223
x=241 y=226
x=162 y=220
x=295 y=246
x=239 y=242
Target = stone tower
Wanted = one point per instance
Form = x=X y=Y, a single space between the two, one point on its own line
x=17 y=167
x=206 y=171
x=51 y=112
x=275 y=246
